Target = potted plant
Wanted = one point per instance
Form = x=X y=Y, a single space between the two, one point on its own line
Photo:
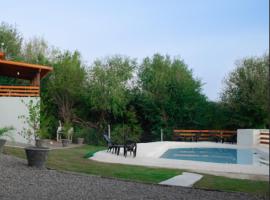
x=80 y=140
x=66 y=131
x=4 y=132
x=36 y=155
x=80 y=134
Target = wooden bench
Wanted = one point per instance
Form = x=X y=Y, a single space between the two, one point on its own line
x=205 y=135
x=264 y=138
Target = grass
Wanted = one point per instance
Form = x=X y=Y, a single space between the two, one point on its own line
x=73 y=160
x=229 y=184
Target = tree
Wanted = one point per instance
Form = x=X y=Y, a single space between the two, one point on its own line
x=32 y=120
x=37 y=51
x=12 y=43
x=246 y=93
x=12 y=40
x=108 y=84
x=66 y=83
x=168 y=96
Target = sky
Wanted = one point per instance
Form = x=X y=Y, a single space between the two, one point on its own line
x=209 y=35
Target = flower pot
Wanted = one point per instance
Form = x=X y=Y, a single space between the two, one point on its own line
x=41 y=143
x=37 y=156
x=2 y=143
x=65 y=142
x=80 y=140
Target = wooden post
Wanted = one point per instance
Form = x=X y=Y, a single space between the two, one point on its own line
x=109 y=131
x=36 y=81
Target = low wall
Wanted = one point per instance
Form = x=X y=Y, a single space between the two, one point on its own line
x=249 y=137
x=10 y=109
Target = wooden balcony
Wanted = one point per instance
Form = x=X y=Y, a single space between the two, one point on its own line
x=31 y=73
x=19 y=91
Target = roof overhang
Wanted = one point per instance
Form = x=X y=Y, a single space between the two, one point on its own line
x=22 y=70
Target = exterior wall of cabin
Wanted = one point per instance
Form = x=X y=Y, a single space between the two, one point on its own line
x=10 y=109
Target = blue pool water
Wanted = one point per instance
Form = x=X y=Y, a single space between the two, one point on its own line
x=215 y=155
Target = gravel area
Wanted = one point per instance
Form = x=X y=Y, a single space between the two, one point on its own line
x=17 y=181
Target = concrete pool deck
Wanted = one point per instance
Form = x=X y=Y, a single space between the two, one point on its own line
x=148 y=154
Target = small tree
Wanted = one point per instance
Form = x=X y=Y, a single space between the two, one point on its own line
x=32 y=120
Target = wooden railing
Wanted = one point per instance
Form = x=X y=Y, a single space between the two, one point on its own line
x=264 y=137
x=205 y=135
x=19 y=91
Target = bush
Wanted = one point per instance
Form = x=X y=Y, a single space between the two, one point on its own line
x=90 y=135
x=122 y=133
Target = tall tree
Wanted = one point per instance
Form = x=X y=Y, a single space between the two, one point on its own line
x=108 y=84
x=12 y=44
x=246 y=93
x=12 y=41
x=66 y=83
x=169 y=96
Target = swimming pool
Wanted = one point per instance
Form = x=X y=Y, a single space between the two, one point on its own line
x=218 y=155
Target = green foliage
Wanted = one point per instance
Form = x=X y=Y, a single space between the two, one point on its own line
x=90 y=135
x=246 y=93
x=123 y=133
x=12 y=39
x=107 y=87
x=136 y=99
x=66 y=128
x=5 y=131
x=169 y=97
x=32 y=121
x=66 y=83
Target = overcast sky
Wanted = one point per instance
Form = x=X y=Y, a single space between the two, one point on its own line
x=210 y=35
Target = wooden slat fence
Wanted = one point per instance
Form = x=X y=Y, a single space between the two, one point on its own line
x=264 y=137
x=206 y=135
x=19 y=91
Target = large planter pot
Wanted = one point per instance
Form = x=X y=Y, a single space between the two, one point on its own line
x=37 y=156
x=65 y=142
x=41 y=143
x=80 y=140
x=2 y=143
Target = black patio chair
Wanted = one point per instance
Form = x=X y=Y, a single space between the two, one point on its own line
x=111 y=145
x=130 y=147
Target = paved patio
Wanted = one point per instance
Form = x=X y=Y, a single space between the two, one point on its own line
x=148 y=154
x=52 y=144
x=17 y=181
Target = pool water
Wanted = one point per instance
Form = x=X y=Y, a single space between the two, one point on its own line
x=218 y=155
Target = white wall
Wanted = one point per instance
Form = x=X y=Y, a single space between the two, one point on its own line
x=249 y=137
x=10 y=109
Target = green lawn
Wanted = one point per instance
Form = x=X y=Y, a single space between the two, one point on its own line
x=73 y=160
x=229 y=184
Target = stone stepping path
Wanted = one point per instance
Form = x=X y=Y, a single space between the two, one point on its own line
x=186 y=179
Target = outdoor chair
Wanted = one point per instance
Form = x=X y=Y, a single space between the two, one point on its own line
x=111 y=146
x=130 y=147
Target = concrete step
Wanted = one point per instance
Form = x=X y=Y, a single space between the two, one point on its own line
x=186 y=179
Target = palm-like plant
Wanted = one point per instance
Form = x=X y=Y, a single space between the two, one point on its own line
x=6 y=130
